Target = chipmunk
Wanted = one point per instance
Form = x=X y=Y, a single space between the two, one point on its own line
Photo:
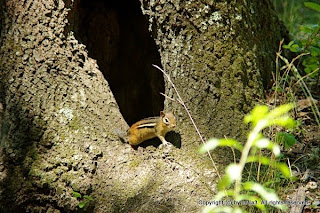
x=150 y=128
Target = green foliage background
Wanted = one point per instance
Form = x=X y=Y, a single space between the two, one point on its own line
x=294 y=14
x=302 y=19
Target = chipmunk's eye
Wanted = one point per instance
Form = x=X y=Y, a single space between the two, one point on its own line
x=166 y=120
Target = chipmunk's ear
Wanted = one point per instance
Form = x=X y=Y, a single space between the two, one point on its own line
x=162 y=114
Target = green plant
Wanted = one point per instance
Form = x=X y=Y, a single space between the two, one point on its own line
x=305 y=31
x=286 y=139
x=299 y=80
x=232 y=190
x=294 y=14
x=84 y=199
x=309 y=44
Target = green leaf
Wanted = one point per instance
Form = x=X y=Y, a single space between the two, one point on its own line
x=313 y=6
x=210 y=145
x=237 y=210
x=231 y=143
x=276 y=150
x=253 y=199
x=311 y=62
x=224 y=193
x=280 y=110
x=224 y=183
x=307 y=70
x=277 y=89
x=263 y=143
x=266 y=143
x=263 y=160
x=233 y=170
x=210 y=209
x=258 y=113
x=289 y=45
x=88 y=197
x=284 y=121
x=266 y=161
x=83 y=204
x=286 y=139
x=76 y=194
x=315 y=51
x=214 y=143
x=284 y=169
x=265 y=194
x=295 y=48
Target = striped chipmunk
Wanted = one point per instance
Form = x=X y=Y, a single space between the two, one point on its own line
x=150 y=128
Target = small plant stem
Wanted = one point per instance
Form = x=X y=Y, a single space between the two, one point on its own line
x=259 y=167
x=245 y=152
x=304 y=87
x=316 y=70
x=276 y=80
x=186 y=109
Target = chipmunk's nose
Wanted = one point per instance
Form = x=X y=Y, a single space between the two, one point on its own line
x=173 y=125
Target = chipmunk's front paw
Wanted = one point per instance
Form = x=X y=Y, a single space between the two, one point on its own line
x=165 y=144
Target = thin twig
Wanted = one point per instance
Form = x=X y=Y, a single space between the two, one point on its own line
x=172 y=99
x=304 y=88
x=316 y=70
x=298 y=57
x=185 y=107
x=289 y=167
x=277 y=72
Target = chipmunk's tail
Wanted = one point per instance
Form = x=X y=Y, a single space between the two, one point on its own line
x=123 y=135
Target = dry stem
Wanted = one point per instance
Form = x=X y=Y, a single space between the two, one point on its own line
x=188 y=112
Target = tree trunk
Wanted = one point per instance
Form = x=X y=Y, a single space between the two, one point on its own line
x=59 y=109
x=220 y=55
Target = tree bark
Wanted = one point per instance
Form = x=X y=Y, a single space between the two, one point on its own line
x=58 y=112
x=220 y=55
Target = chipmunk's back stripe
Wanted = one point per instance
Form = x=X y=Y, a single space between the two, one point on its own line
x=150 y=120
x=149 y=125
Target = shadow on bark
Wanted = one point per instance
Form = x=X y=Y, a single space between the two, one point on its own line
x=173 y=138
x=20 y=146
